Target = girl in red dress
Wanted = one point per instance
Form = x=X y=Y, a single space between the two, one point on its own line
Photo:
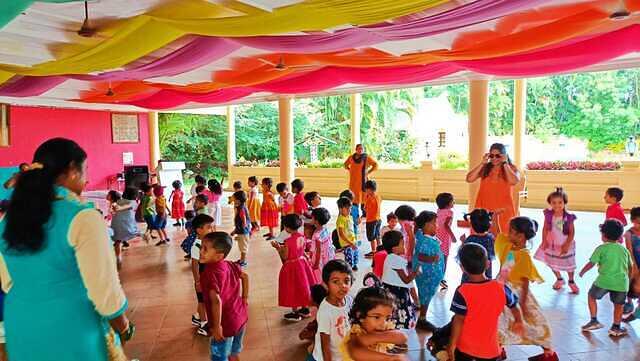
x=177 y=203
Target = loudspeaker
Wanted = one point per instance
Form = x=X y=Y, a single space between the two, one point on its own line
x=134 y=175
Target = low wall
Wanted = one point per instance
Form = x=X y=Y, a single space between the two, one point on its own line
x=585 y=188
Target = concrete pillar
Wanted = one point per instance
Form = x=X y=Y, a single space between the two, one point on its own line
x=478 y=128
x=154 y=141
x=286 y=139
x=231 y=137
x=355 y=102
x=519 y=128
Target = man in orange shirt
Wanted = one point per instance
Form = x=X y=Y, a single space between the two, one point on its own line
x=372 y=203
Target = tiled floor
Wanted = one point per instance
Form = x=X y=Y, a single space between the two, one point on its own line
x=159 y=286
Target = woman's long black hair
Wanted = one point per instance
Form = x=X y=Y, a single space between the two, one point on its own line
x=486 y=169
x=30 y=205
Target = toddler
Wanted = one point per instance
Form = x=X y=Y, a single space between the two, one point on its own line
x=177 y=203
x=346 y=236
x=285 y=201
x=445 y=204
x=481 y=221
x=193 y=192
x=200 y=204
x=296 y=276
x=406 y=215
x=398 y=279
x=148 y=211
x=322 y=250
x=313 y=201
x=213 y=193
x=191 y=234
x=377 y=264
x=558 y=248
x=123 y=222
x=253 y=203
x=242 y=225
x=225 y=287
x=299 y=204
x=162 y=213
x=355 y=210
x=237 y=187
x=632 y=241
x=269 y=209
x=372 y=337
x=372 y=205
x=613 y=197
x=392 y=224
x=333 y=313
x=429 y=259
x=614 y=267
x=202 y=225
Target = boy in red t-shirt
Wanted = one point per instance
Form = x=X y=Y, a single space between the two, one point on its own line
x=477 y=306
x=226 y=308
x=613 y=197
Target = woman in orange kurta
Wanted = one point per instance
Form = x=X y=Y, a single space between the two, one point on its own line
x=497 y=177
x=359 y=165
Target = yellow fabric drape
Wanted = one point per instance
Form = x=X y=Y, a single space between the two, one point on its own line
x=136 y=37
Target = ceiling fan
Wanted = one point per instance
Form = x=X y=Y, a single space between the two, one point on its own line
x=86 y=30
x=622 y=13
x=282 y=66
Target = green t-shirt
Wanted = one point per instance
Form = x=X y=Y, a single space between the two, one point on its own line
x=148 y=208
x=346 y=223
x=613 y=261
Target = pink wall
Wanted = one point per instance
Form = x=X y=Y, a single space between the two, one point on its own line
x=30 y=126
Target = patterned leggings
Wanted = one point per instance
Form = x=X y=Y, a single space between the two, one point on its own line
x=351 y=256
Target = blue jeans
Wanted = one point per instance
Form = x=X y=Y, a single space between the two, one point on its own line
x=230 y=346
x=355 y=214
x=351 y=256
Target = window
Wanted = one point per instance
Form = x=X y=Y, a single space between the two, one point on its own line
x=442 y=139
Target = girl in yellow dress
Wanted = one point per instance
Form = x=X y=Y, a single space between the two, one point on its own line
x=518 y=271
x=253 y=204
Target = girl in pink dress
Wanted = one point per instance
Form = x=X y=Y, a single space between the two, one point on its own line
x=444 y=233
x=322 y=249
x=296 y=276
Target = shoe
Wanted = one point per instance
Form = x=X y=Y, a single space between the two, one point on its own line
x=617 y=331
x=125 y=244
x=592 y=325
x=304 y=312
x=369 y=255
x=203 y=329
x=627 y=309
x=444 y=285
x=241 y=263
x=558 y=284
x=167 y=241
x=177 y=224
x=629 y=318
x=195 y=321
x=426 y=325
x=545 y=357
x=574 y=288
x=187 y=257
x=293 y=317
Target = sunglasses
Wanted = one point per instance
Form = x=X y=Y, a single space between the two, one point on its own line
x=492 y=156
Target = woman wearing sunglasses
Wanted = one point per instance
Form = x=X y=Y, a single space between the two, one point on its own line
x=497 y=177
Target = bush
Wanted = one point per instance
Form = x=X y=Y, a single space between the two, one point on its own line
x=451 y=161
x=574 y=165
x=327 y=163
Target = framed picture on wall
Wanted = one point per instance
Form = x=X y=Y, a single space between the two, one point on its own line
x=4 y=125
x=125 y=128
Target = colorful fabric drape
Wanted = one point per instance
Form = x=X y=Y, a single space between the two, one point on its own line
x=9 y=9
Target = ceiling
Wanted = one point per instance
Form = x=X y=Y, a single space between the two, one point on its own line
x=162 y=54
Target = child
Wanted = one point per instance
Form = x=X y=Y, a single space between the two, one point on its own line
x=477 y=306
x=613 y=197
x=242 y=226
x=313 y=201
x=377 y=264
x=355 y=210
x=392 y=224
x=445 y=234
x=148 y=211
x=299 y=204
x=193 y=192
x=237 y=187
x=614 y=267
x=397 y=278
x=346 y=236
x=333 y=313
x=285 y=201
x=429 y=259
x=177 y=203
x=372 y=205
x=253 y=204
x=371 y=336
x=200 y=204
x=191 y=234
x=188 y=216
x=296 y=276
x=123 y=222
x=318 y=293
x=517 y=271
x=112 y=197
x=162 y=213
x=213 y=193
x=322 y=250
x=225 y=303
x=269 y=209
x=481 y=221
x=558 y=248
x=632 y=242
x=202 y=225
x=406 y=215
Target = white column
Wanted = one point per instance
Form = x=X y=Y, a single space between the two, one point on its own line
x=154 y=141
x=519 y=129
x=478 y=128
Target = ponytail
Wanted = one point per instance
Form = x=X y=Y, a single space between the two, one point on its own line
x=30 y=205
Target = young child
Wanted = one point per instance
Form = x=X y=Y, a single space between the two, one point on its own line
x=355 y=211
x=318 y=294
x=237 y=187
x=392 y=224
x=517 y=271
x=377 y=264
x=296 y=276
x=632 y=242
x=398 y=279
x=177 y=203
x=346 y=236
x=558 y=247
x=123 y=222
x=162 y=213
x=200 y=204
x=193 y=192
x=148 y=211
x=191 y=234
x=213 y=193
x=285 y=201
x=333 y=313
x=299 y=204
x=406 y=215
x=427 y=257
x=225 y=287
x=322 y=250
x=445 y=204
x=202 y=225
x=613 y=197
x=313 y=201
x=372 y=206
x=371 y=336
x=614 y=267
x=253 y=203
x=481 y=221
x=477 y=306
x=242 y=226
x=112 y=197
x=269 y=209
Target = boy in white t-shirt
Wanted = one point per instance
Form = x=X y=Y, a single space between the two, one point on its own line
x=333 y=313
x=202 y=225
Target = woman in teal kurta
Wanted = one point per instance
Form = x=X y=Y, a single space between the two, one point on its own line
x=64 y=300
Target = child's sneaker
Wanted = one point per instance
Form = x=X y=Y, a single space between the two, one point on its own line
x=627 y=309
x=203 y=329
x=592 y=325
x=558 y=284
x=195 y=321
x=241 y=263
x=574 y=288
x=293 y=317
x=304 y=312
x=617 y=331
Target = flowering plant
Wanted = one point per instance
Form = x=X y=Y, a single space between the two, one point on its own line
x=574 y=165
